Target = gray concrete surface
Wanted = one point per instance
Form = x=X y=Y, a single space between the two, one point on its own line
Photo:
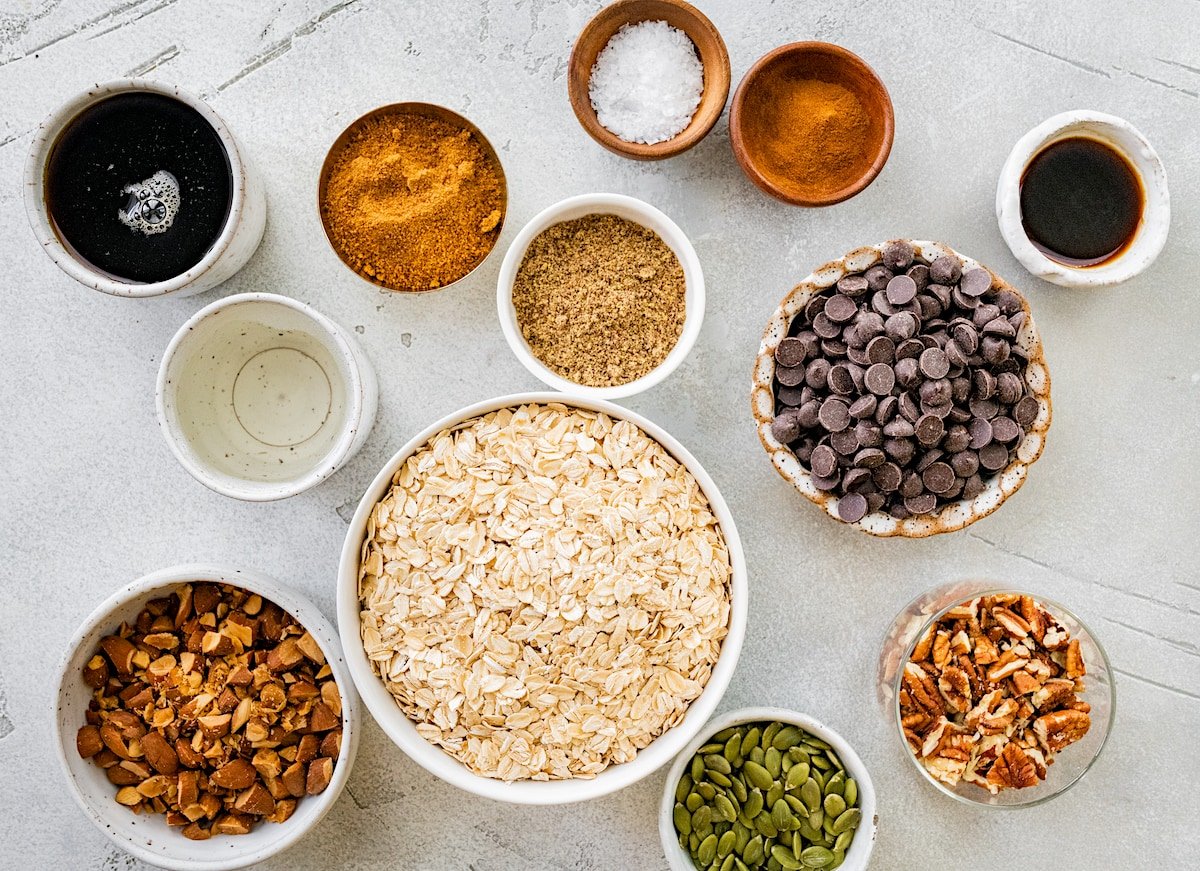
x=1107 y=522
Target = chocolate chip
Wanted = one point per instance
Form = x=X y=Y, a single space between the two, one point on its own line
x=844 y=442
x=1017 y=320
x=934 y=363
x=824 y=326
x=919 y=273
x=972 y=487
x=852 y=507
x=1008 y=388
x=898 y=254
x=870 y=435
x=888 y=406
x=824 y=461
x=786 y=426
x=956 y=355
x=985 y=408
x=928 y=458
x=936 y=392
x=834 y=415
x=881 y=349
x=839 y=309
x=878 y=277
x=814 y=307
x=899 y=428
x=840 y=380
x=826 y=483
x=945 y=269
x=869 y=458
x=833 y=348
x=808 y=414
x=961 y=300
x=900 y=450
x=852 y=285
x=790 y=377
x=817 y=374
x=966 y=337
x=922 y=504
x=999 y=326
x=911 y=485
x=790 y=395
x=1005 y=429
x=993 y=456
x=863 y=407
x=901 y=289
x=1026 y=411
x=886 y=475
x=938 y=477
x=983 y=313
x=965 y=463
x=1008 y=302
x=880 y=379
x=981 y=432
x=994 y=350
x=908 y=408
x=880 y=304
x=909 y=348
x=858 y=480
x=983 y=384
x=975 y=282
x=958 y=438
x=907 y=374
x=930 y=429
x=960 y=389
x=790 y=352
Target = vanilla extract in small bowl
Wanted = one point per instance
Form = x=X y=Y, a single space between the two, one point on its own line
x=1081 y=201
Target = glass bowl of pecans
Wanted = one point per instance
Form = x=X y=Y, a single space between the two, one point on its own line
x=1000 y=697
x=205 y=717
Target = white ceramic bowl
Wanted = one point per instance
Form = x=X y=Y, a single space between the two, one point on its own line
x=859 y=853
x=237 y=242
x=1118 y=133
x=147 y=836
x=631 y=209
x=402 y=731
x=261 y=397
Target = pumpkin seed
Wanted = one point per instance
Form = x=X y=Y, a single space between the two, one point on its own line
x=733 y=750
x=683 y=788
x=765 y=825
x=796 y=775
x=821 y=762
x=786 y=859
x=756 y=755
x=707 y=791
x=834 y=804
x=683 y=843
x=753 y=853
x=774 y=794
x=725 y=734
x=810 y=794
x=842 y=843
x=708 y=850
x=816 y=819
x=814 y=741
x=717 y=777
x=796 y=805
x=839 y=856
x=769 y=733
x=693 y=802
x=713 y=762
x=797 y=754
x=847 y=821
x=773 y=864
x=683 y=820
x=725 y=808
x=754 y=803
x=739 y=788
x=697 y=769
x=850 y=793
x=702 y=817
x=750 y=741
x=816 y=857
x=787 y=737
x=725 y=844
x=781 y=815
x=711 y=747
x=772 y=761
x=833 y=757
x=741 y=837
x=836 y=784
x=758 y=775
x=740 y=865
x=727 y=865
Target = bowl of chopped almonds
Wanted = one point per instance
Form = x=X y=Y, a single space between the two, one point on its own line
x=1001 y=698
x=205 y=717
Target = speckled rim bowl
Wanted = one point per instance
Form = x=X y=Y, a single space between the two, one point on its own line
x=1071 y=763
x=631 y=209
x=239 y=238
x=430 y=110
x=397 y=726
x=953 y=516
x=147 y=836
x=859 y=854
x=352 y=369
x=1152 y=230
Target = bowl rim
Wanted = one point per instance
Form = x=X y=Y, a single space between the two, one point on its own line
x=611 y=18
x=737 y=138
x=1153 y=228
x=402 y=732
x=429 y=110
x=358 y=386
x=680 y=861
x=954 y=515
x=290 y=600
x=988 y=588
x=603 y=203
x=61 y=252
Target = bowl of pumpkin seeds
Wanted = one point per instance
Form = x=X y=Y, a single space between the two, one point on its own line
x=765 y=789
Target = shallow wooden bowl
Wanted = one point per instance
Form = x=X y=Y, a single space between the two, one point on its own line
x=829 y=63
x=709 y=45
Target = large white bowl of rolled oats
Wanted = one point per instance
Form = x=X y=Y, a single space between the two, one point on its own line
x=542 y=598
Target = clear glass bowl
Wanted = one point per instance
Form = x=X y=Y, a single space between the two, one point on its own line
x=1070 y=764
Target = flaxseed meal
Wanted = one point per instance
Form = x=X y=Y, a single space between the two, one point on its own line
x=544 y=590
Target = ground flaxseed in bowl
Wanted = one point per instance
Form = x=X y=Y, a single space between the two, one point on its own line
x=544 y=590
x=600 y=300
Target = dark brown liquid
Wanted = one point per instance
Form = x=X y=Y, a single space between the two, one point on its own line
x=1081 y=201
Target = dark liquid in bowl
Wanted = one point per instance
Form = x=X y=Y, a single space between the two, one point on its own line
x=1081 y=201
x=122 y=142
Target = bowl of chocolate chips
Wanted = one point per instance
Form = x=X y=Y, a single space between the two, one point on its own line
x=903 y=388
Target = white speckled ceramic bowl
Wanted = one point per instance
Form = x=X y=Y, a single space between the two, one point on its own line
x=403 y=731
x=237 y=242
x=633 y=210
x=859 y=854
x=147 y=836
x=261 y=397
x=953 y=516
x=1119 y=134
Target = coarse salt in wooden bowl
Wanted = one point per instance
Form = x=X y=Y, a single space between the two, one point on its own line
x=709 y=45
x=953 y=515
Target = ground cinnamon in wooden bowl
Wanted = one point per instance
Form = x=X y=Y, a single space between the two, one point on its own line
x=412 y=197
x=811 y=124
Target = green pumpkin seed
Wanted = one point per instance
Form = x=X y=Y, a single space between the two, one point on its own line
x=727 y=865
x=772 y=760
x=774 y=794
x=814 y=741
x=713 y=762
x=797 y=754
x=836 y=784
x=756 y=755
x=706 y=790
x=711 y=747
x=758 y=775
x=740 y=865
x=701 y=817
x=842 y=843
x=850 y=793
x=708 y=850
x=773 y=864
x=693 y=842
x=769 y=733
x=833 y=757
x=796 y=805
x=750 y=741
x=839 y=856
x=797 y=774
x=738 y=786
x=741 y=837
x=816 y=857
x=725 y=844
x=693 y=802
x=725 y=734
x=816 y=819
x=847 y=821
x=787 y=737
x=683 y=843
x=786 y=859
x=697 y=769
x=725 y=808
x=733 y=750
x=781 y=816
x=683 y=788
x=752 y=853
x=822 y=763
x=717 y=777
x=754 y=803
x=809 y=833
x=810 y=794
x=765 y=825
x=834 y=804
x=683 y=820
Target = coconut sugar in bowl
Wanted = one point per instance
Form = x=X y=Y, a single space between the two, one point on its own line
x=412 y=197
x=811 y=124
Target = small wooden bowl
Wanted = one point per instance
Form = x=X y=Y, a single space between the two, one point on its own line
x=825 y=62
x=709 y=45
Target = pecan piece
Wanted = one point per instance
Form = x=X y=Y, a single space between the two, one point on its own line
x=1013 y=768
x=955 y=688
x=1059 y=729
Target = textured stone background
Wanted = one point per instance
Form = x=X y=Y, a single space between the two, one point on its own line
x=1107 y=522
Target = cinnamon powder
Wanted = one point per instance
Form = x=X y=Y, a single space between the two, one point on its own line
x=413 y=202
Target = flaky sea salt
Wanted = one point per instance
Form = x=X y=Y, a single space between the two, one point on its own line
x=647 y=82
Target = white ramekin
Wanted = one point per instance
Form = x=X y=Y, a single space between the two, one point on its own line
x=625 y=207
x=401 y=730
x=221 y=323
x=859 y=854
x=147 y=836
x=238 y=240
x=1118 y=133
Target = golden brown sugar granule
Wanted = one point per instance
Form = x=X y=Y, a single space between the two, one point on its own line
x=600 y=299
x=413 y=202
